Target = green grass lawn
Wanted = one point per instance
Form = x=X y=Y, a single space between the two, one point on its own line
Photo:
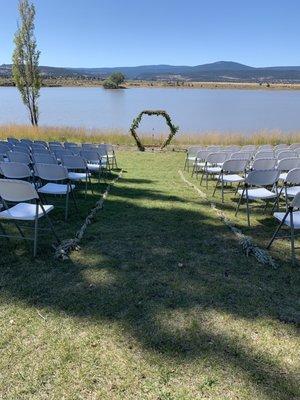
x=159 y=303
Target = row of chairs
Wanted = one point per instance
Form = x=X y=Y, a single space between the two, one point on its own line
x=106 y=151
x=31 y=176
x=268 y=179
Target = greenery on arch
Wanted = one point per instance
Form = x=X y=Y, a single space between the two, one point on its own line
x=136 y=122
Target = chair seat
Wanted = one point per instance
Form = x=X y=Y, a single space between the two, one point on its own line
x=232 y=178
x=200 y=164
x=283 y=176
x=77 y=176
x=192 y=158
x=259 y=193
x=94 y=167
x=214 y=170
x=296 y=218
x=55 y=188
x=292 y=191
x=24 y=212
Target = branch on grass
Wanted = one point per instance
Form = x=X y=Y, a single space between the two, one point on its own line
x=246 y=242
x=67 y=246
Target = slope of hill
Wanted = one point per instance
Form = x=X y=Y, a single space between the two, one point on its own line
x=221 y=71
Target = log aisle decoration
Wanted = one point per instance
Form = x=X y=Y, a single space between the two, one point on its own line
x=246 y=242
x=63 y=250
x=136 y=122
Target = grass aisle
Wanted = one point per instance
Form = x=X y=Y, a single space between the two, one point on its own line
x=159 y=303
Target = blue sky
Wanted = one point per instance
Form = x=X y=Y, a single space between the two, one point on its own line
x=98 y=33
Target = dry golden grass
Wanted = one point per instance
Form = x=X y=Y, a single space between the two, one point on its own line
x=119 y=137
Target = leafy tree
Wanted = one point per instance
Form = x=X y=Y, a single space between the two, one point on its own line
x=25 y=69
x=114 y=81
x=117 y=78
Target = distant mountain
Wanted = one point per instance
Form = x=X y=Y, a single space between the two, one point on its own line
x=221 y=71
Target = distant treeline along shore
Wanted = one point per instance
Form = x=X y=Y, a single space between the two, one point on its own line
x=221 y=74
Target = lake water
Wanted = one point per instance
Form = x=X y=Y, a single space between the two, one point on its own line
x=194 y=110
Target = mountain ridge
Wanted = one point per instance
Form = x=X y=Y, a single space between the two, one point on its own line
x=226 y=71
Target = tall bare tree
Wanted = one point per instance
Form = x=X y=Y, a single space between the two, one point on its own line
x=26 y=61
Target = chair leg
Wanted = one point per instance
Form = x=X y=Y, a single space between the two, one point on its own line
x=50 y=223
x=222 y=189
x=247 y=207
x=293 y=241
x=67 y=202
x=278 y=229
x=218 y=180
x=35 y=232
x=239 y=203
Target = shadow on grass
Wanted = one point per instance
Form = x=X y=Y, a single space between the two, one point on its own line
x=162 y=261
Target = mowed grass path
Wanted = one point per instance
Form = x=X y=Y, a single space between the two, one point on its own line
x=159 y=303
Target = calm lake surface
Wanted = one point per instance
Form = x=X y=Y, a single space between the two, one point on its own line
x=194 y=110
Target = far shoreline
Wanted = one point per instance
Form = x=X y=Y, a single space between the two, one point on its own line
x=86 y=82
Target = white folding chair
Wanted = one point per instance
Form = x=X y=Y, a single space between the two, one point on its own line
x=213 y=165
x=15 y=156
x=15 y=170
x=109 y=154
x=93 y=162
x=290 y=219
x=256 y=187
x=77 y=170
x=262 y=164
x=43 y=158
x=231 y=173
x=53 y=174
x=286 y=164
x=291 y=185
x=21 y=192
x=191 y=156
x=285 y=154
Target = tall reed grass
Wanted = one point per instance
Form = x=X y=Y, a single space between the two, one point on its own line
x=123 y=138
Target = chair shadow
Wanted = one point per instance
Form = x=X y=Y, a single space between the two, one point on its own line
x=162 y=260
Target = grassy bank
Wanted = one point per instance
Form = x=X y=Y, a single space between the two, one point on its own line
x=124 y=138
x=98 y=82
x=159 y=303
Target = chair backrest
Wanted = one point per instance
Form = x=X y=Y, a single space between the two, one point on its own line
x=293 y=176
x=286 y=164
x=21 y=149
x=248 y=147
x=241 y=155
x=73 y=162
x=51 y=172
x=89 y=146
x=91 y=156
x=286 y=153
x=13 y=140
x=68 y=145
x=41 y=158
x=296 y=201
x=15 y=190
x=262 y=178
x=109 y=148
x=62 y=152
x=264 y=147
x=4 y=148
x=263 y=164
x=15 y=170
x=281 y=146
x=215 y=158
x=41 y=142
x=40 y=150
x=264 y=154
x=202 y=154
x=15 y=156
x=193 y=150
x=55 y=144
x=294 y=146
x=234 y=166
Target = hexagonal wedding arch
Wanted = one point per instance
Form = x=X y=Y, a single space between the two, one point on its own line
x=136 y=122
